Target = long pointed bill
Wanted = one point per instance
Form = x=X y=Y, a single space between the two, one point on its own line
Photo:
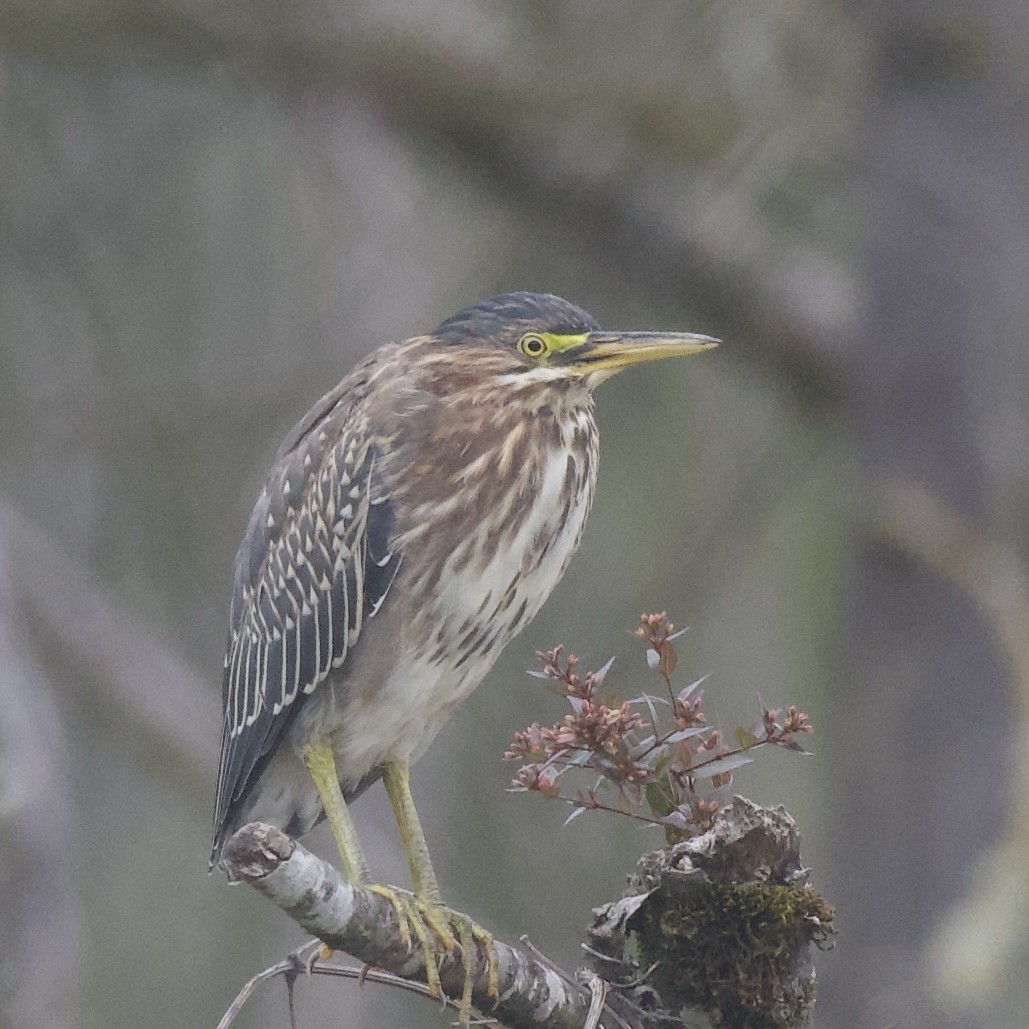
x=610 y=352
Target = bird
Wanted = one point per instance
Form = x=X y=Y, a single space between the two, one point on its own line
x=413 y=522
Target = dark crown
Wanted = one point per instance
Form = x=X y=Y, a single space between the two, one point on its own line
x=501 y=321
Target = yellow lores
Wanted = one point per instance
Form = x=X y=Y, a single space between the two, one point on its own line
x=414 y=521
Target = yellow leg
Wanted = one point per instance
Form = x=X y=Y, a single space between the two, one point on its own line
x=422 y=912
x=441 y=920
x=322 y=767
x=396 y=777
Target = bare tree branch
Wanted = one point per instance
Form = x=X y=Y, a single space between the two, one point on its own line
x=533 y=994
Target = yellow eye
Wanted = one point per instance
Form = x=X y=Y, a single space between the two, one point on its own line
x=532 y=344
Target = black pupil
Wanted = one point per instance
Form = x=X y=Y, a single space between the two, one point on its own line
x=534 y=345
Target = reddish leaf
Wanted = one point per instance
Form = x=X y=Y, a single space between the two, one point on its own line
x=669 y=659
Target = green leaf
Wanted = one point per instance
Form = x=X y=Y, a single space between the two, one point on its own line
x=744 y=737
x=659 y=801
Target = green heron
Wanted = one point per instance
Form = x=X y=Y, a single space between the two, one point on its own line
x=414 y=521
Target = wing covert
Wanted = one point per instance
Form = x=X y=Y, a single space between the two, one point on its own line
x=315 y=562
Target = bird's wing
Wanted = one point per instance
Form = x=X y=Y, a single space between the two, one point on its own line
x=316 y=561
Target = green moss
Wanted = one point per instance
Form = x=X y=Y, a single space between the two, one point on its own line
x=737 y=951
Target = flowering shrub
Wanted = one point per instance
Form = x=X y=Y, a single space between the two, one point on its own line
x=653 y=758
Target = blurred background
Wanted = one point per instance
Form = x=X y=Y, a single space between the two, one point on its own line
x=209 y=211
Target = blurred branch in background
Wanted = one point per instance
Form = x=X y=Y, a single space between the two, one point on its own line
x=936 y=393
x=693 y=238
x=121 y=667
x=50 y=602
x=983 y=939
x=40 y=962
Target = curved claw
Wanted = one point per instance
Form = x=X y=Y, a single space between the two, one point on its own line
x=485 y=937
x=440 y=926
x=307 y=955
x=412 y=920
x=469 y=935
x=439 y=932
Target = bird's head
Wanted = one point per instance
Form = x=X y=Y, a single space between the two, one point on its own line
x=546 y=338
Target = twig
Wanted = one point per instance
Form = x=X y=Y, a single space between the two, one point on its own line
x=290 y=969
x=247 y=991
x=598 y=994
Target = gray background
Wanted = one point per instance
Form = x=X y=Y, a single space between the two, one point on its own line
x=208 y=211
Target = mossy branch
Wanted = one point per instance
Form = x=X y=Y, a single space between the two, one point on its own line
x=721 y=925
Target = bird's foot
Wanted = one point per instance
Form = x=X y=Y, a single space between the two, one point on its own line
x=415 y=919
x=322 y=953
x=307 y=955
x=470 y=934
x=440 y=931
